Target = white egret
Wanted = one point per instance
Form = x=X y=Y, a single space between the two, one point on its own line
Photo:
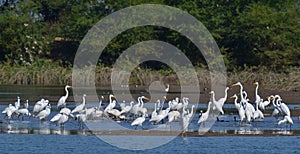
x=126 y=109
x=9 y=111
x=56 y=117
x=286 y=119
x=160 y=116
x=241 y=87
x=136 y=107
x=284 y=108
x=26 y=104
x=263 y=104
x=248 y=112
x=173 y=116
x=18 y=103
x=63 y=119
x=223 y=100
x=174 y=103
x=23 y=111
x=257 y=114
x=90 y=112
x=217 y=105
x=142 y=109
x=81 y=119
x=99 y=112
x=185 y=101
x=204 y=116
x=114 y=112
x=62 y=100
x=179 y=106
x=122 y=105
x=154 y=112
x=44 y=113
x=111 y=105
x=79 y=108
x=249 y=108
x=257 y=97
x=65 y=110
x=186 y=117
x=277 y=108
x=6 y=109
x=40 y=105
x=139 y=121
x=239 y=107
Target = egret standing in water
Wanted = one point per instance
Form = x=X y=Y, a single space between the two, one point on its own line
x=286 y=119
x=62 y=100
x=186 y=118
x=44 y=113
x=258 y=100
x=217 y=104
x=240 y=108
x=81 y=106
x=204 y=116
x=139 y=121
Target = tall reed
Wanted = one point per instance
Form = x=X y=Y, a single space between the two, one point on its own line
x=54 y=74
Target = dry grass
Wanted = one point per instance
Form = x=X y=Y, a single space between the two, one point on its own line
x=56 y=75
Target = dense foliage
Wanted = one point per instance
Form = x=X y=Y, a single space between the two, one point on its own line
x=249 y=33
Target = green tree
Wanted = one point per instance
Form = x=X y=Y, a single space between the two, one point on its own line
x=267 y=34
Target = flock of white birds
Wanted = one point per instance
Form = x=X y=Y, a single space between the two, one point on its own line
x=176 y=111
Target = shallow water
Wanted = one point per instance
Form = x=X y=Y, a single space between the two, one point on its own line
x=34 y=136
x=36 y=143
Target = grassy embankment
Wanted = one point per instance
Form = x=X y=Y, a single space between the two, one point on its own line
x=53 y=74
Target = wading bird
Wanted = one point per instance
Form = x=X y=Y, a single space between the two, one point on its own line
x=62 y=100
x=204 y=116
x=79 y=108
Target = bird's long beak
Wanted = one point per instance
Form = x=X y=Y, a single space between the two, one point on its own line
x=232 y=97
x=234 y=85
x=145 y=98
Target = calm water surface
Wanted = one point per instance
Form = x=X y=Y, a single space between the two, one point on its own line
x=36 y=143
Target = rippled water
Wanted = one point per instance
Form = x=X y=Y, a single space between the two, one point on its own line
x=33 y=136
x=36 y=143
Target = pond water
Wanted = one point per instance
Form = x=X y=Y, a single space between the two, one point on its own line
x=29 y=135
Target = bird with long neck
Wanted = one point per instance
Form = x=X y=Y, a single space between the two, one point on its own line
x=186 y=118
x=240 y=107
x=257 y=113
x=241 y=87
x=263 y=104
x=204 y=116
x=62 y=100
x=223 y=100
x=217 y=105
x=284 y=108
x=111 y=104
x=277 y=108
x=257 y=97
x=236 y=104
x=81 y=106
x=100 y=102
x=142 y=109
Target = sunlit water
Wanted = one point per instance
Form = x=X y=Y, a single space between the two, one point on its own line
x=34 y=136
